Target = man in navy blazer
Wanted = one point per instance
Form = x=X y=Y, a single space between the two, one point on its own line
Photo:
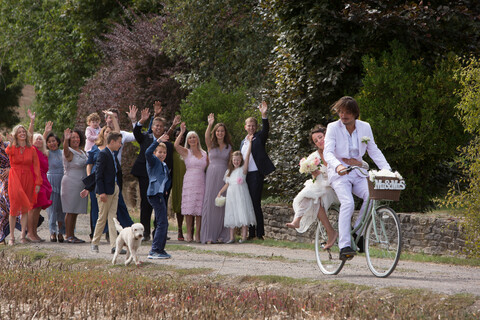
x=259 y=166
x=108 y=178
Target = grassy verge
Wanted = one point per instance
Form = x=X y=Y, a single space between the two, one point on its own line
x=38 y=286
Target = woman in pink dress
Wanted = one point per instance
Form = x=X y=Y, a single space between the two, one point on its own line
x=43 y=197
x=194 y=180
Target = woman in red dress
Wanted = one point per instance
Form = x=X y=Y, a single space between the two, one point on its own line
x=24 y=179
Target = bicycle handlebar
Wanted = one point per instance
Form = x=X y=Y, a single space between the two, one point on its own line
x=351 y=168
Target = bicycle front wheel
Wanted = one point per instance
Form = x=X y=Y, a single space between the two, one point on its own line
x=328 y=260
x=383 y=241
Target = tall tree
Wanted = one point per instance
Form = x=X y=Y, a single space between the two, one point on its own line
x=318 y=57
x=222 y=39
x=51 y=44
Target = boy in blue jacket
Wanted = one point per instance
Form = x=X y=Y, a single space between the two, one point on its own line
x=158 y=184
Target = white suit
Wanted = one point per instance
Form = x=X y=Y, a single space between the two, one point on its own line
x=337 y=148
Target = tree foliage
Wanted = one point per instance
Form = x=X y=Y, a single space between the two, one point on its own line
x=223 y=39
x=468 y=196
x=229 y=107
x=411 y=108
x=10 y=92
x=134 y=71
x=51 y=45
x=318 y=57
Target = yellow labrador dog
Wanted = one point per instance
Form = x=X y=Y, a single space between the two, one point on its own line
x=131 y=237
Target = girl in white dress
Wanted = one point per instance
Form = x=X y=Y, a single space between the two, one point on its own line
x=238 y=206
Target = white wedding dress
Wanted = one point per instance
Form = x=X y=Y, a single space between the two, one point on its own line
x=314 y=194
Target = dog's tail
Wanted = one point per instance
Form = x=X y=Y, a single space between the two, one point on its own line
x=118 y=226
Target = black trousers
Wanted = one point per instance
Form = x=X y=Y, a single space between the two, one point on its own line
x=255 y=187
x=145 y=207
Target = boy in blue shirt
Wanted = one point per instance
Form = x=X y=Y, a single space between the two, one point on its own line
x=158 y=184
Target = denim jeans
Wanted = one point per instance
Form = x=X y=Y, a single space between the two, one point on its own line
x=159 y=206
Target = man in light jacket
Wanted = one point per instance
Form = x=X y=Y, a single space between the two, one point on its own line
x=346 y=141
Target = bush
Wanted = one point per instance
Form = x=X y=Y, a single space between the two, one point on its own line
x=468 y=197
x=231 y=108
x=411 y=110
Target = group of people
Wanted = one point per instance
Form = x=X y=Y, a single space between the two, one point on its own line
x=36 y=174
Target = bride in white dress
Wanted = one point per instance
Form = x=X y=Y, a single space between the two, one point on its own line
x=316 y=196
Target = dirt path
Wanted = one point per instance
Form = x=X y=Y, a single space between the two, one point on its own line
x=251 y=259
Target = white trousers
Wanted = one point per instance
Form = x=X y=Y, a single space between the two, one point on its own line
x=344 y=186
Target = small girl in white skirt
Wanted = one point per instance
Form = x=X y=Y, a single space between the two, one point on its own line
x=238 y=205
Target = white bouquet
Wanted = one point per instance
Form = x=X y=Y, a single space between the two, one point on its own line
x=384 y=173
x=308 y=166
x=220 y=201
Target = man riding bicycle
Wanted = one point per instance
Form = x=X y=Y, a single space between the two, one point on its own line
x=346 y=141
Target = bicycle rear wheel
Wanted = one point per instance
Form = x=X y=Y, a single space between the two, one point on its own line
x=328 y=260
x=383 y=242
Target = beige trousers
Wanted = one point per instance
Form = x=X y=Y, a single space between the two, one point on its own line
x=107 y=211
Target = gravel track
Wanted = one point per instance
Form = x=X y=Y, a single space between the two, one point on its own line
x=253 y=259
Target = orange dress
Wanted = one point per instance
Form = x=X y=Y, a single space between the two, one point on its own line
x=23 y=177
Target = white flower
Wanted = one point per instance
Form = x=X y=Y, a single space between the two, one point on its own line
x=384 y=173
x=365 y=139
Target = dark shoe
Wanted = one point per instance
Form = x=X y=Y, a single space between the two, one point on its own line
x=260 y=238
x=123 y=251
x=53 y=237
x=146 y=237
x=60 y=238
x=107 y=237
x=75 y=240
x=250 y=238
x=347 y=253
x=360 y=244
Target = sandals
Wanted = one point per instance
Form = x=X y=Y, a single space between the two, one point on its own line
x=75 y=240
x=181 y=238
x=11 y=242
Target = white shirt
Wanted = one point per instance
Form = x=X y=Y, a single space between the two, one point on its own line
x=353 y=151
x=126 y=137
x=252 y=166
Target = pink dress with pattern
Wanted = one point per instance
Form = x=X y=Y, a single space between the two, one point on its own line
x=193 y=184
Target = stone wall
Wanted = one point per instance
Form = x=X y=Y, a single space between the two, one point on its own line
x=420 y=232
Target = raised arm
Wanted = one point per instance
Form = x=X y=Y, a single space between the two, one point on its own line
x=208 y=132
x=175 y=123
x=114 y=120
x=247 y=155
x=47 y=130
x=181 y=150
x=31 y=127
x=67 y=134
x=132 y=114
